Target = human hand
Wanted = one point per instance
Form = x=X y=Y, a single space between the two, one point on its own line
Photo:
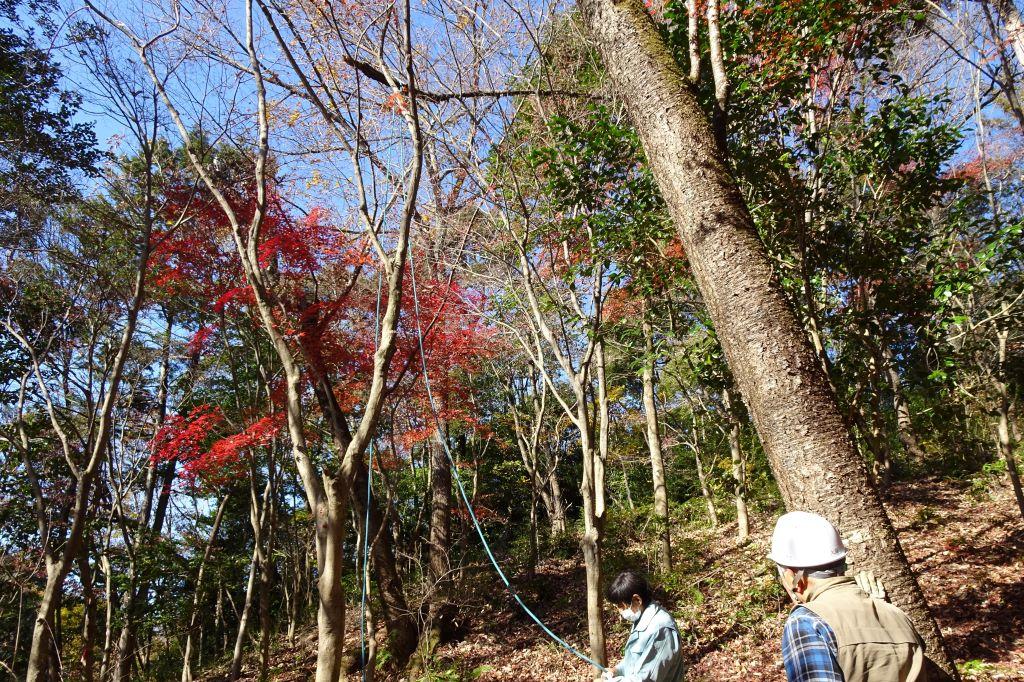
x=872 y=586
x=607 y=674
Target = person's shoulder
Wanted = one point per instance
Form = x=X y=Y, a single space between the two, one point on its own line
x=662 y=618
x=802 y=618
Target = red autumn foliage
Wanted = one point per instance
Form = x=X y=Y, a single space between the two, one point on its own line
x=222 y=460
x=326 y=305
x=455 y=344
x=199 y=341
x=183 y=438
x=191 y=441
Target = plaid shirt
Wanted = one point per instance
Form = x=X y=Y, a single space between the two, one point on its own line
x=809 y=649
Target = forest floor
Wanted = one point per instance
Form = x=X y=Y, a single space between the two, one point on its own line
x=965 y=542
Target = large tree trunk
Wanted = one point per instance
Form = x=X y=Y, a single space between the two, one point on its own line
x=776 y=370
x=654 y=447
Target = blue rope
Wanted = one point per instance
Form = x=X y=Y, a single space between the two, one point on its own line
x=366 y=527
x=462 y=491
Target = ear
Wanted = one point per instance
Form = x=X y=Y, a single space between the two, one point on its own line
x=637 y=601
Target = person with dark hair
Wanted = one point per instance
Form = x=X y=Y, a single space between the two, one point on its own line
x=839 y=629
x=653 y=652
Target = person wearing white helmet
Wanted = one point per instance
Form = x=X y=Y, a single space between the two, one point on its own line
x=836 y=632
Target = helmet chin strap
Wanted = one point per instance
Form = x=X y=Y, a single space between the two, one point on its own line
x=797 y=576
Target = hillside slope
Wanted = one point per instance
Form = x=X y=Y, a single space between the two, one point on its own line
x=966 y=544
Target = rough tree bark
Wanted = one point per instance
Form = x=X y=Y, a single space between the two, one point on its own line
x=776 y=370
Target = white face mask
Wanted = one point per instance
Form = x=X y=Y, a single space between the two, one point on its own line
x=630 y=615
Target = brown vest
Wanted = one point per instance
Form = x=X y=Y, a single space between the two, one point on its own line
x=877 y=642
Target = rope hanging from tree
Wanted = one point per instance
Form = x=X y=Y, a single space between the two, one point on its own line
x=462 y=494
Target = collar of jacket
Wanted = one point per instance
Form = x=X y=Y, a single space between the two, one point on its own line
x=646 y=617
x=820 y=587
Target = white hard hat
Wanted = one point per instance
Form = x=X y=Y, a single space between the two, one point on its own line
x=804 y=540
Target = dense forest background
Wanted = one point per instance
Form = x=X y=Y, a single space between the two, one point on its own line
x=300 y=298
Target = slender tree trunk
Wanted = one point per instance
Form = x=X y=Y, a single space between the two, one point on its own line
x=259 y=512
x=1004 y=439
x=369 y=628
x=591 y=546
x=438 y=565
x=739 y=469
x=625 y=484
x=654 y=447
x=243 y=621
x=43 y=639
x=593 y=505
x=400 y=622
x=776 y=370
x=557 y=503
x=88 y=658
x=531 y=562
x=218 y=618
x=882 y=464
x=17 y=629
x=904 y=423
x=197 y=591
x=705 y=489
x=267 y=571
x=108 y=621
x=1006 y=446
x=56 y=669
x=126 y=641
